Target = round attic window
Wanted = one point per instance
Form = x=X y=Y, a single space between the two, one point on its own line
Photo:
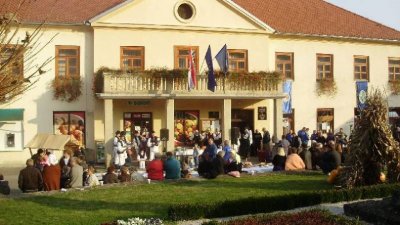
x=185 y=11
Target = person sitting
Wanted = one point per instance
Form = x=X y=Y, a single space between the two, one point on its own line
x=331 y=159
x=91 y=179
x=65 y=165
x=30 y=179
x=316 y=155
x=294 y=162
x=124 y=177
x=279 y=160
x=110 y=177
x=185 y=172
x=155 y=169
x=76 y=173
x=219 y=163
x=172 y=167
x=305 y=155
x=52 y=174
x=4 y=187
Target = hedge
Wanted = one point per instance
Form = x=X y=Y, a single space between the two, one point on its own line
x=266 y=204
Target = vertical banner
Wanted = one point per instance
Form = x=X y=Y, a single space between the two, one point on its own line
x=287 y=101
x=362 y=90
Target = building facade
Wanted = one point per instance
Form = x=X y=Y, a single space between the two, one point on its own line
x=144 y=35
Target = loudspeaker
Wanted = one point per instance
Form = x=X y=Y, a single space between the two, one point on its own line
x=235 y=133
x=164 y=134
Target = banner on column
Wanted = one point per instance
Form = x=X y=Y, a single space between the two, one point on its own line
x=362 y=90
x=287 y=101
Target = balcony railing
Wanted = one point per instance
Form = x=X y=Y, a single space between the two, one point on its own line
x=129 y=85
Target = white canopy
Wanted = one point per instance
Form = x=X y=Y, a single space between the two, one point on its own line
x=49 y=141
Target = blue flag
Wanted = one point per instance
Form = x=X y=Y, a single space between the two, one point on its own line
x=222 y=59
x=287 y=101
x=211 y=76
x=362 y=91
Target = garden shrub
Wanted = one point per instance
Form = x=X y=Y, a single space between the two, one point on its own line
x=266 y=204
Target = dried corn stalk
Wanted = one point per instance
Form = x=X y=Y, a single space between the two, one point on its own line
x=372 y=146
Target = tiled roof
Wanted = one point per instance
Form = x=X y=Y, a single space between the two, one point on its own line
x=315 y=17
x=58 y=11
x=307 y=17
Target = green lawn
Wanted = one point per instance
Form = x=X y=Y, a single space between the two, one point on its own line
x=105 y=204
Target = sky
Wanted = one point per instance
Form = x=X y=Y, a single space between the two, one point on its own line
x=386 y=12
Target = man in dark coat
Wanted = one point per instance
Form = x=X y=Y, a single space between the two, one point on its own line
x=305 y=155
x=30 y=179
x=256 y=145
x=331 y=159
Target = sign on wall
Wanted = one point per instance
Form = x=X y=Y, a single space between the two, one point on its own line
x=262 y=113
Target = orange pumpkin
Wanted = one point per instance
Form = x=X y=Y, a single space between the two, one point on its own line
x=382 y=178
x=332 y=176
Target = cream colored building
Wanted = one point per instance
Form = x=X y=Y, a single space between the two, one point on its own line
x=148 y=34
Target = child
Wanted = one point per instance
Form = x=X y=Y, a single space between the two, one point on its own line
x=142 y=159
x=91 y=179
x=4 y=187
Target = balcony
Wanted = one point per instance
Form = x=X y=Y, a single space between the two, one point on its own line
x=139 y=86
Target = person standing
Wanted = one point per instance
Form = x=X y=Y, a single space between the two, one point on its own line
x=172 y=167
x=217 y=136
x=285 y=144
x=136 y=142
x=30 y=179
x=257 y=142
x=244 y=147
x=52 y=175
x=153 y=143
x=76 y=174
x=119 y=152
x=266 y=142
x=142 y=157
x=211 y=150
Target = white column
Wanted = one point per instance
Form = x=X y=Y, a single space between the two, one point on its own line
x=226 y=119
x=108 y=130
x=278 y=118
x=169 y=123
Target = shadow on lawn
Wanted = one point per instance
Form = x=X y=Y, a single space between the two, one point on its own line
x=96 y=205
x=278 y=185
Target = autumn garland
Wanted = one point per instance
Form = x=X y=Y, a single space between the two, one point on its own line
x=394 y=87
x=326 y=87
x=67 y=89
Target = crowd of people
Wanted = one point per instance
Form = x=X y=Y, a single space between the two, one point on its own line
x=295 y=151
x=327 y=152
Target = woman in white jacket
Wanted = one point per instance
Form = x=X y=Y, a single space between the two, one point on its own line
x=120 y=154
x=153 y=143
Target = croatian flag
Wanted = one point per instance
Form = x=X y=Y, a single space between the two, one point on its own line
x=362 y=91
x=192 y=81
x=211 y=77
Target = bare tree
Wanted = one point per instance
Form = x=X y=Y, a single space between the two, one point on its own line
x=20 y=67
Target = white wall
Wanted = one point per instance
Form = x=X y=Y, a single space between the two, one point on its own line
x=304 y=99
x=38 y=102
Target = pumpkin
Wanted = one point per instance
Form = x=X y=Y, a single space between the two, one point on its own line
x=382 y=178
x=332 y=176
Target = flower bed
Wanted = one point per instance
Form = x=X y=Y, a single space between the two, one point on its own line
x=311 y=217
x=137 y=221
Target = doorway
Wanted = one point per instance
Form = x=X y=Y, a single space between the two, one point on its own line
x=243 y=118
